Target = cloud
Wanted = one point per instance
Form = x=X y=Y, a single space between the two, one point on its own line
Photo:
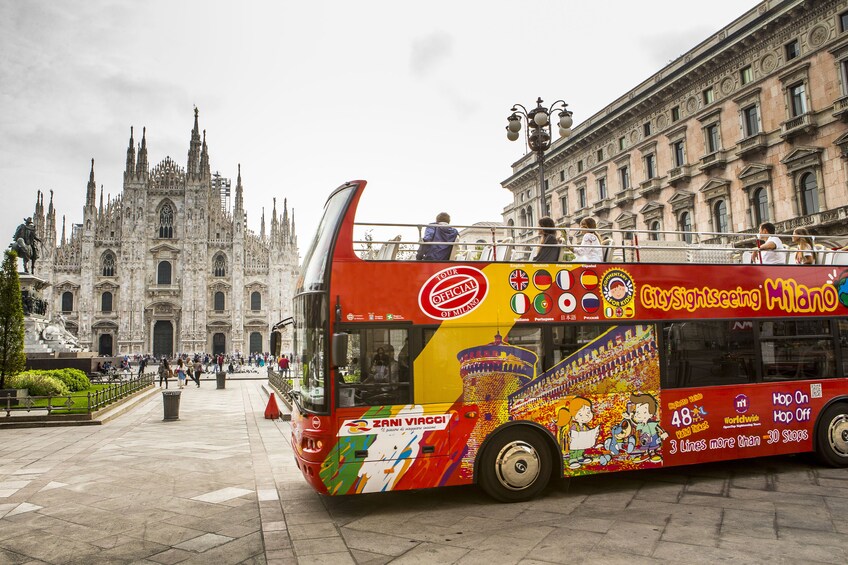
x=428 y=52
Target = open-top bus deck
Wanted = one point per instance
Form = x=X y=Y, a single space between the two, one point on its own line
x=491 y=369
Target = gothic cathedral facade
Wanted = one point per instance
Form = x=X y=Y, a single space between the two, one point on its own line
x=166 y=267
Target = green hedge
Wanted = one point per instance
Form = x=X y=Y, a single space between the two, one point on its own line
x=38 y=383
x=74 y=379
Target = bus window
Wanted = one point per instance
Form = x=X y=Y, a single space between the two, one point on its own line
x=842 y=325
x=570 y=338
x=708 y=353
x=797 y=349
x=377 y=370
x=528 y=337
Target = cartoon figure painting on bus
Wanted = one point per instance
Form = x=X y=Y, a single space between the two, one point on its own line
x=575 y=435
x=642 y=412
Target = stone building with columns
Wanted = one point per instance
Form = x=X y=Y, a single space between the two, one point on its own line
x=165 y=267
x=750 y=125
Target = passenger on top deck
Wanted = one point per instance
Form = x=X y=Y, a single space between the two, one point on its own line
x=438 y=232
x=772 y=251
x=549 y=250
x=802 y=240
x=590 y=249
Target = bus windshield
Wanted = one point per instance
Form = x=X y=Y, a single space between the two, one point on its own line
x=314 y=269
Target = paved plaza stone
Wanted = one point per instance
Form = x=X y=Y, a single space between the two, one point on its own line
x=220 y=486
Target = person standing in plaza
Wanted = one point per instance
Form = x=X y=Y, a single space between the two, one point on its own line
x=164 y=370
x=284 y=366
x=141 y=365
x=181 y=376
x=198 y=369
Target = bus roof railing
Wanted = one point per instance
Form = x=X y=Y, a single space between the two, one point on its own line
x=493 y=242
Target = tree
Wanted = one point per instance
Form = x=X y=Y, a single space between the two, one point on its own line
x=12 y=356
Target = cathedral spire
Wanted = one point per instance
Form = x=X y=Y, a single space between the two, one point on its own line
x=194 y=149
x=239 y=203
x=141 y=167
x=204 y=158
x=100 y=210
x=262 y=226
x=50 y=225
x=130 y=170
x=91 y=190
x=63 y=230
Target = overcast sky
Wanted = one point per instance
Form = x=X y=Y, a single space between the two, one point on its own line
x=410 y=96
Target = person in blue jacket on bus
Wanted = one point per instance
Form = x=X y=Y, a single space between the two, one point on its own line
x=438 y=232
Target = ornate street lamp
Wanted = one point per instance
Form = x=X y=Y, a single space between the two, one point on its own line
x=538 y=134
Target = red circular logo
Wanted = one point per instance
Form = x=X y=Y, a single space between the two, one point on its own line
x=316 y=422
x=453 y=292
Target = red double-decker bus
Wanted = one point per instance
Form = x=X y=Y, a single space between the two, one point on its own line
x=495 y=370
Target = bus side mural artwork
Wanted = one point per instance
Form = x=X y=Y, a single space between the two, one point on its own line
x=500 y=384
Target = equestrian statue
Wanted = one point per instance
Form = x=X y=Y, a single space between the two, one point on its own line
x=24 y=243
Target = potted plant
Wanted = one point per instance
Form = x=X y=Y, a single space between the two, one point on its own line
x=12 y=356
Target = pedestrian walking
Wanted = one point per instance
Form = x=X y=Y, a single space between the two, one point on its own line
x=198 y=369
x=164 y=371
x=181 y=375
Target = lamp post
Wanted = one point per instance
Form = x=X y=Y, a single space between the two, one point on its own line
x=538 y=133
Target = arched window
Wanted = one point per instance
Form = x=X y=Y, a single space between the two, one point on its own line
x=67 y=301
x=108 y=264
x=255 y=342
x=760 y=206
x=166 y=222
x=809 y=194
x=106 y=302
x=720 y=220
x=655 y=230
x=255 y=300
x=219 y=265
x=163 y=273
x=522 y=218
x=218 y=301
x=530 y=216
x=685 y=225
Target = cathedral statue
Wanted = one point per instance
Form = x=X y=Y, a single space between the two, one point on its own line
x=57 y=334
x=24 y=243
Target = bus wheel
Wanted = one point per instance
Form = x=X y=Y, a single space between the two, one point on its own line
x=516 y=465
x=832 y=438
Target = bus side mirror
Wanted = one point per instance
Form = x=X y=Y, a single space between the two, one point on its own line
x=338 y=354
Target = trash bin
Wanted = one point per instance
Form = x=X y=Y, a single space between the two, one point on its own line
x=221 y=376
x=171 y=401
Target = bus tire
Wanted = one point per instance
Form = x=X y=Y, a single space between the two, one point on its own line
x=832 y=436
x=515 y=466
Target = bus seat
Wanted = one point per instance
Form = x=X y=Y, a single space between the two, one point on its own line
x=455 y=251
x=388 y=252
x=839 y=258
x=747 y=257
x=504 y=251
x=486 y=254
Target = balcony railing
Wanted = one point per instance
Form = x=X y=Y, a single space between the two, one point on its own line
x=623 y=197
x=840 y=108
x=650 y=186
x=751 y=144
x=679 y=174
x=805 y=123
x=713 y=160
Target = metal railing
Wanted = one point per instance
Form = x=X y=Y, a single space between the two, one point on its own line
x=67 y=403
x=519 y=243
x=279 y=382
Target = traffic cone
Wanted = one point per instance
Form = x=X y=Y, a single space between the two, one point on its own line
x=272 y=411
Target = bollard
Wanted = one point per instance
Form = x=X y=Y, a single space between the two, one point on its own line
x=221 y=377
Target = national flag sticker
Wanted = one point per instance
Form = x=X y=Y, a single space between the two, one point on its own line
x=590 y=303
x=542 y=303
x=518 y=279
x=565 y=280
x=567 y=303
x=519 y=303
x=589 y=279
x=542 y=280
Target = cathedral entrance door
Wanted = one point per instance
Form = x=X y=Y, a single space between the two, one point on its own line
x=163 y=338
x=219 y=344
x=104 y=346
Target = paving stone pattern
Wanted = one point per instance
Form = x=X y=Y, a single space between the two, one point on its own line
x=220 y=486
